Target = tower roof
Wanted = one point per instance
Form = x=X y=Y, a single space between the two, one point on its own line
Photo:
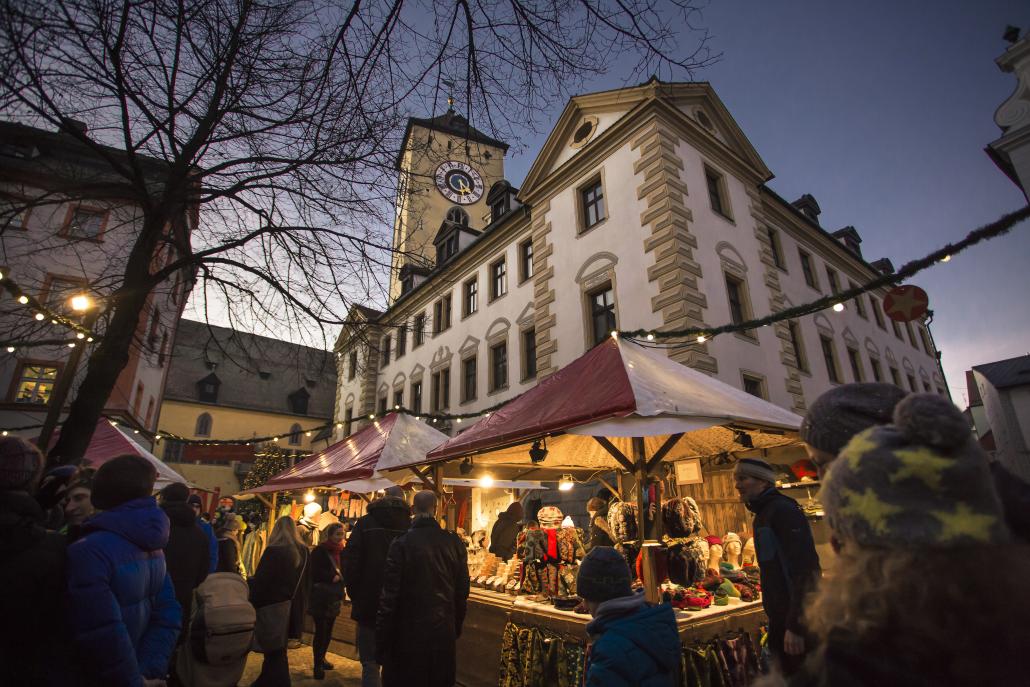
x=451 y=123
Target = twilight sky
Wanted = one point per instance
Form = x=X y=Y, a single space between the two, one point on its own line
x=881 y=110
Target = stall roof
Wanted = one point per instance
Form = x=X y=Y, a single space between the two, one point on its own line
x=110 y=441
x=392 y=442
x=618 y=390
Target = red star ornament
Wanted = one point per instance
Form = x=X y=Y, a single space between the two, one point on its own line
x=905 y=303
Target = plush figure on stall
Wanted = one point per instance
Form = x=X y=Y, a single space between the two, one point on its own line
x=622 y=521
x=687 y=552
x=550 y=556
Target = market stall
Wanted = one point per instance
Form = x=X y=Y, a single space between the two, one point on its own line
x=624 y=408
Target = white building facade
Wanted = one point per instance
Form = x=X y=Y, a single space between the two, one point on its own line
x=646 y=209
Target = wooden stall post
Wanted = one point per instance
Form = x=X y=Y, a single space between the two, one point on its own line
x=649 y=563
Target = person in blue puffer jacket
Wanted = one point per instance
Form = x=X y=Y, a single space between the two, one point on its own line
x=124 y=616
x=631 y=642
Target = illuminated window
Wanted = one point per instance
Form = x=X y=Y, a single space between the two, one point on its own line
x=35 y=384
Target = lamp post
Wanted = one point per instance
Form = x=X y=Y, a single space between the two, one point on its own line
x=84 y=305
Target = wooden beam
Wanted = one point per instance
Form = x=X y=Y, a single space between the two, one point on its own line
x=609 y=487
x=264 y=499
x=662 y=452
x=615 y=453
x=422 y=476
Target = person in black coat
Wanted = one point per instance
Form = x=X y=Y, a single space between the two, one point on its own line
x=422 y=607
x=229 y=546
x=34 y=641
x=276 y=579
x=186 y=554
x=506 y=530
x=326 y=593
x=787 y=559
x=363 y=561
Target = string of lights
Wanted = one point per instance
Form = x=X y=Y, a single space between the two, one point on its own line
x=43 y=313
x=836 y=301
x=650 y=337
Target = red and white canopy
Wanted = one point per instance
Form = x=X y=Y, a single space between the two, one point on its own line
x=110 y=441
x=620 y=390
x=390 y=443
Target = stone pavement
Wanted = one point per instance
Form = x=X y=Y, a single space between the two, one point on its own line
x=347 y=672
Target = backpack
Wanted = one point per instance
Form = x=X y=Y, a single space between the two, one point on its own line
x=222 y=625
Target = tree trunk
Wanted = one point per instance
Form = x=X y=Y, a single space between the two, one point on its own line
x=111 y=355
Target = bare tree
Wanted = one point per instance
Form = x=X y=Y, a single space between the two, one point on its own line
x=280 y=121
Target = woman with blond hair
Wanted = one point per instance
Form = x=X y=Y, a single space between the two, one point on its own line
x=272 y=588
x=928 y=588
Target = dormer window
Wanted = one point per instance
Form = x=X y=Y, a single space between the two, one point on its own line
x=207 y=389
x=447 y=248
x=458 y=216
x=408 y=283
x=299 y=401
x=499 y=209
x=501 y=199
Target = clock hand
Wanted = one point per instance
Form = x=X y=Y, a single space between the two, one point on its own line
x=463 y=187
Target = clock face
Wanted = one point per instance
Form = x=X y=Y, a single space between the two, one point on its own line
x=459 y=183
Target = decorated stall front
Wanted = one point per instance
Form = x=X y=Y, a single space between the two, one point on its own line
x=628 y=410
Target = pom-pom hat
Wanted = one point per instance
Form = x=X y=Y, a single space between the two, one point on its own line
x=921 y=482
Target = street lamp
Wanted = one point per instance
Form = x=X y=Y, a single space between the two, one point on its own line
x=81 y=302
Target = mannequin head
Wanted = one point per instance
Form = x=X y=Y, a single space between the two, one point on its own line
x=733 y=548
x=714 y=556
x=748 y=555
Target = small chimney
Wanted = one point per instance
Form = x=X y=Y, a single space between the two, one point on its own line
x=808 y=207
x=883 y=266
x=73 y=126
x=850 y=238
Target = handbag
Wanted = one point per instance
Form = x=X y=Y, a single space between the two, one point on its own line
x=273 y=621
x=327 y=595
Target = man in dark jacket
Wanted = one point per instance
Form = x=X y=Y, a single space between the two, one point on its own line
x=787 y=558
x=198 y=505
x=33 y=646
x=364 y=558
x=124 y=616
x=506 y=531
x=422 y=608
x=186 y=553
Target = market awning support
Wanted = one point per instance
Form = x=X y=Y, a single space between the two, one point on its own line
x=615 y=492
x=424 y=477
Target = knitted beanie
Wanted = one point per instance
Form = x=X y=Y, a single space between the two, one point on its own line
x=731 y=537
x=757 y=468
x=844 y=411
x=921 y=482
x=122 y=479
x=177 y=492
x=550 y=517
x=603 y=575
x=21 y=465
x=195 y=500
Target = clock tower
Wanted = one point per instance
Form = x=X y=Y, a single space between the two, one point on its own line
x=443 y=163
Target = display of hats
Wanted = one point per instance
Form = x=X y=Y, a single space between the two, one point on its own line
x=728 y=589
x=731 y=537
x=681 y=517
x=713 y=540
x=550 y=517
x=622 y=521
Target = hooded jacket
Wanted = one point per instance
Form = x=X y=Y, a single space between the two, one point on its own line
x=31 y=596
x=504 y=533
x=364 y=557
x=633 y=644
x=124 y=615
x=186 y=554
x=787 y=559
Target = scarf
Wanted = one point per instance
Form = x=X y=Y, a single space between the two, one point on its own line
x=334 y=551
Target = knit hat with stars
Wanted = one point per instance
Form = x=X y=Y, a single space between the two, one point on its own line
x=921 y=482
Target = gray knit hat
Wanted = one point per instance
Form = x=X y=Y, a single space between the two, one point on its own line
x=844 y=411
x=757 y=468
x=603 y=575
x=21 y=465
x=921 y=482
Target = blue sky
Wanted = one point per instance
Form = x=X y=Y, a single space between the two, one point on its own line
x=881 y=110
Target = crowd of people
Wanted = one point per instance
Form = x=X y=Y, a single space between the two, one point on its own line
x=121 y=588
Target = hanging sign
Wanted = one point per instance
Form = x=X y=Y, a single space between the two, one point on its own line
x=689 y=471
x=905 y=303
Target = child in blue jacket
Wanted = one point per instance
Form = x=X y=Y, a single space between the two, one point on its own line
x=632 y=642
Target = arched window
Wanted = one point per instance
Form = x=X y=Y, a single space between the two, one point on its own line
x=295 y=435
x=203 y=428
x=458 y=216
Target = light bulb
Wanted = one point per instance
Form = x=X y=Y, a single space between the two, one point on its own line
x=701 y=338
x=946 y=258
x=80 y=335
x=40 y=316
x=566 y=483
x=309 y=497
x=486 y=481
x=838 y=307
x=458 y=420
x=615 y=334
x=23 y=299
x=10 y=349
x=71 y=345
x=650 y=337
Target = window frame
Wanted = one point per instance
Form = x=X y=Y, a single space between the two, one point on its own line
x=440 y=389
x=911 y=378
x=584 y=204
x=859 y=302
x=592 y=314
x=8 y=202
x=398 y=397
x=402 y=341
x=470 y=296
x=209 y=425
x=496 y=384
x=66 y=226
x=525 y=250
x=776 y=248
x=19 y=374
x=416 y=396
x=294 y=437
x=529 y=368
x=469 y=384
x=720 y=192
x=797 y=343
x=758 y=379
x=442 y=314
x=808 y=269
x=833 y=280
x=348 y=421
x=828 y=348
x=877 y=368
x=498 y=279
x=384 y=350
x=418 y=327
x=876 y=307
x=855 y=363
x=352 y=365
